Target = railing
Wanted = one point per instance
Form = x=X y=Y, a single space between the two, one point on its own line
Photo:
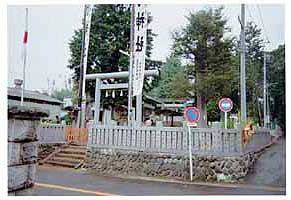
x=51 y=133
x=259 y=139
x=167 y=139
x=154 y=139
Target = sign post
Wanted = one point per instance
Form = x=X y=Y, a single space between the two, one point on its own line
x=192 y=116
x=225 y=105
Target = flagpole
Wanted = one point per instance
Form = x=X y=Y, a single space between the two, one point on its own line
x=88 y=15
x=25 y=37
x=131 y=58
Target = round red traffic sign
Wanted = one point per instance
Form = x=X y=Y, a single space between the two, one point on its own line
x=225 y=104
x=192 y=114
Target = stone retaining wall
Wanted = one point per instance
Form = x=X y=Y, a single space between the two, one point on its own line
x=139 y=163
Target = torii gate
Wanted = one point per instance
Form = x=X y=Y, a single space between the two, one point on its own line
x=100 y=86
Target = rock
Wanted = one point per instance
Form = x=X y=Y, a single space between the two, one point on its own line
x=228 y=164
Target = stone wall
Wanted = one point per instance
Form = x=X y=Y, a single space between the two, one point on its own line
x=139 y=163
x=22 y=146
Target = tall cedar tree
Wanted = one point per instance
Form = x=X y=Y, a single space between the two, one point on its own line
x=254 y=71
x=203 y=44
x=277 y=87
x=110 y=33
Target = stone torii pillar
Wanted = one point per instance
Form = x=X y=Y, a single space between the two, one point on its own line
x=100 y=86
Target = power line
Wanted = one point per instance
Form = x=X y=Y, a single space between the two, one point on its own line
x=250 y=13
x=263 y=25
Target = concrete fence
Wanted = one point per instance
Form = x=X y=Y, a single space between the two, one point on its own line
x=51 y=133
x=167 y=139
x=258 y=140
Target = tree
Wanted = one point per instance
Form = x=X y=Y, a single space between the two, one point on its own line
x=61 y=94
x=203 y=45
x=110 y=33
x=254 y=71
x=173 y=82
x=277 y=88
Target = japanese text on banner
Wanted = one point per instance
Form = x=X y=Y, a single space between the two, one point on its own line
x=140 y=29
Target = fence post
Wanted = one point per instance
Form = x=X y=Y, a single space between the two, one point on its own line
x=239 y=140
x=90 y=132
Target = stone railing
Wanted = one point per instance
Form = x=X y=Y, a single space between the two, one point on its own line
x=258 y=140
x=167 y=139
x=217 y=154
x=51 y=133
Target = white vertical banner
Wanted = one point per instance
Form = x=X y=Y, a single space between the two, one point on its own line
x=140 y=34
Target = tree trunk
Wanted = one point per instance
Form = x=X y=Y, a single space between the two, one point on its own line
x=201 y=105
x=259 y=113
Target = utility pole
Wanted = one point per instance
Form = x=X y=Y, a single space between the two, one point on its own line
x=129 y=107
x=24 y=54
x=242 y=68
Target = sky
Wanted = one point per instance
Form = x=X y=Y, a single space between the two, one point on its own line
x=51 y=28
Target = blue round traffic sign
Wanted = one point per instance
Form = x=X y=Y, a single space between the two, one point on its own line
x=225 y=104
x=192 y=114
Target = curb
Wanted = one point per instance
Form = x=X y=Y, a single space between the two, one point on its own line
x=227 y=185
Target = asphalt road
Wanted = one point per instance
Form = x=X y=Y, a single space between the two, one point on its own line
x=270 y=168
x=54 y=181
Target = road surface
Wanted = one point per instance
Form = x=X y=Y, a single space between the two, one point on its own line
x=270 y=168
x=51 y=181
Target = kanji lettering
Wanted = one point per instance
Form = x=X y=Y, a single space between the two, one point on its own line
x=139 y=43
x=140 y=20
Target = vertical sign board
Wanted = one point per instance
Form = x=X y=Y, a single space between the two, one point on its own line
x=225 y=105
x=140 y=30
x=192 y=116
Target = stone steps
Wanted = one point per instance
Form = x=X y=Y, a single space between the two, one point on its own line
x=81 y=147
x=66 y=160
x=70 y=156
x=73 y=151
x=62 y=164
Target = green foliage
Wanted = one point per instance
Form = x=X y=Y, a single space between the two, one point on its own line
x=254 y=70
x=213 y=111
x=229 y=124
x=60 y=94
x=202 y=43
x=173 y=82
x=277 y=86
x=110 y=33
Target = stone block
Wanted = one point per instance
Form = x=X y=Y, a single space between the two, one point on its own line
x=22 y=153
x=22 y=130
x=21 y=176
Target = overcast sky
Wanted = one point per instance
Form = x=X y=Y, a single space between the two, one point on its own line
x=51 y=28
